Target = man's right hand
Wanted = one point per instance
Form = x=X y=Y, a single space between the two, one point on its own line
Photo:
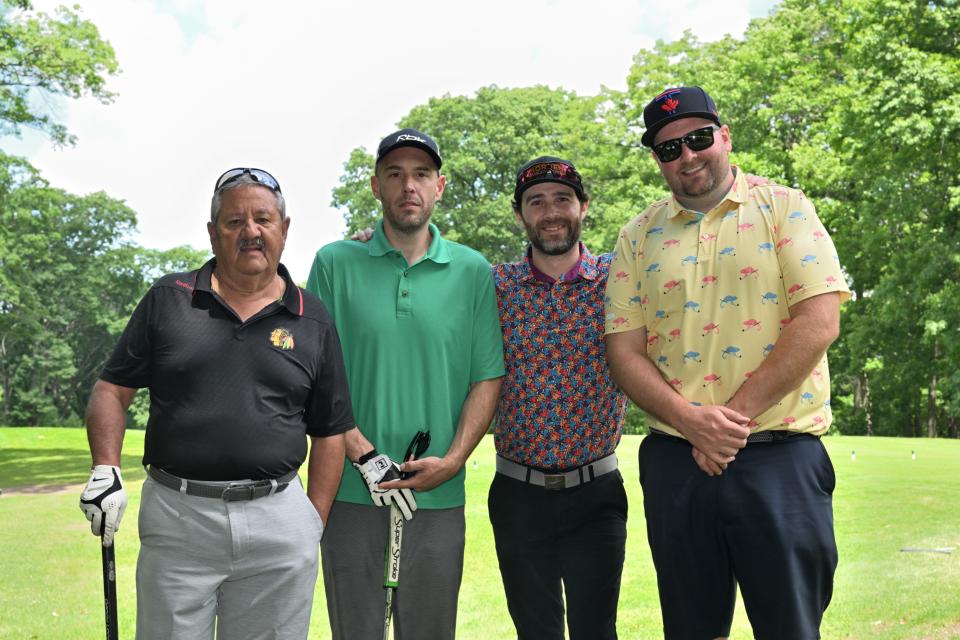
x=362 y=235
x=103 y=501
x=376 y=468
x=717 y=431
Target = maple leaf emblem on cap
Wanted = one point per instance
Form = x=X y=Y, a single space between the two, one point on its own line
x=670 y=104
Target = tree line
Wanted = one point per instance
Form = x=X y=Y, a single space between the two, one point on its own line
x=69 y=273
x=854 y=101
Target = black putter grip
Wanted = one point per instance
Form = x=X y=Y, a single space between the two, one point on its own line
x=107 y=555
x=415 y=449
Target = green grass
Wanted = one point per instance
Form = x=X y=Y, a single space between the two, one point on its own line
x=50 y=585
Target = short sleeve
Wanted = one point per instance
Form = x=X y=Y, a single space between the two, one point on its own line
x=622 y=302
x=808 y=259
x=318 y=282
x=130 y=364
x=486 y=354
x=330 y=410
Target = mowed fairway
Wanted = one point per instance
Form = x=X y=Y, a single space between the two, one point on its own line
x=50 y=584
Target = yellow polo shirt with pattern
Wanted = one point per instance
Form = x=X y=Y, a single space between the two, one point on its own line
x=714 y=291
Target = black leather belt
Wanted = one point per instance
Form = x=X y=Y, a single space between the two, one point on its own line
x=760 y=436
x=227 y=491
x=560 y=479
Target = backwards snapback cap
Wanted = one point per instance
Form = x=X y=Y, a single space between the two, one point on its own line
x=547 y=169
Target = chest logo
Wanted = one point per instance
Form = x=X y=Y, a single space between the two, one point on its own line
x=282 y=339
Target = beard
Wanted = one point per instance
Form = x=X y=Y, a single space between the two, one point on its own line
x=556 y=245
x=712 y=178
x=408 y=222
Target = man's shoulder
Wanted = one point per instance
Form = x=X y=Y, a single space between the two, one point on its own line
x=775 y=194
x=654 y=214
x=465 y=254
x=510 y=270
x=313 y=308
x=184 y=281
x=343 y=248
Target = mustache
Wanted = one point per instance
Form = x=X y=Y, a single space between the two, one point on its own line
x=252 y=243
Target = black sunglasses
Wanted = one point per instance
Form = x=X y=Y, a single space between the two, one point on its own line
x=697 y=140
x=258 y=175
x=416 y=449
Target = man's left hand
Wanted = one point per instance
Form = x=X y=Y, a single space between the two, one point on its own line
x=103 y=501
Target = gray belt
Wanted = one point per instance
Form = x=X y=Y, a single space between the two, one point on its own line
x=561 y=480
x=760 y=436
x=227 y=491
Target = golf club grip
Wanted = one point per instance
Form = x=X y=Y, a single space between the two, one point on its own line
x=391 y=570
x=110 y=591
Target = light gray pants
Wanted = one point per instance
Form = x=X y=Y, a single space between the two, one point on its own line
x=431 y=566
x=251 y=565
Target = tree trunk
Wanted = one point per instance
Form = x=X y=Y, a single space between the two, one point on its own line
x=868 y=414
x=932 y=394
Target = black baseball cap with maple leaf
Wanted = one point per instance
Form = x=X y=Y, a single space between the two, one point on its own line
x=673 y=104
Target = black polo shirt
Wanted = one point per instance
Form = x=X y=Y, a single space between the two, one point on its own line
x=231 y=400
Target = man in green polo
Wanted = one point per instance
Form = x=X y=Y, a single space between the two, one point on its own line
x=417 y=318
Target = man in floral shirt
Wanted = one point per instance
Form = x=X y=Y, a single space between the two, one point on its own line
x=557 y=503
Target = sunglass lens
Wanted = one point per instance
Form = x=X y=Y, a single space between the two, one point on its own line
x=258 y=175
x=668 y=151
x=700 y=139
x=228 y=177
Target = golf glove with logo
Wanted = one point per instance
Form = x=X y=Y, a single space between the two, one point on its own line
x=103 y=501
x=376 y=468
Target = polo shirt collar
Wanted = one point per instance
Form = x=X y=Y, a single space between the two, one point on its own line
x=736 y=196
x=292 y=295
x=438 y=251
x=586 y=268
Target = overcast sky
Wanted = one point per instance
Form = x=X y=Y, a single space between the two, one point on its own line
x=293 y=87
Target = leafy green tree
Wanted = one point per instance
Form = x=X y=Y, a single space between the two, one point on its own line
x=43 y=56
x=70 y=279
x=484 y=139
x=856 y=101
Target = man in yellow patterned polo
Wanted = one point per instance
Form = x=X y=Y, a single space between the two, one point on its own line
x=721 y=302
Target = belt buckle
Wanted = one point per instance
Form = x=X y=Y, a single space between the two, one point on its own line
x=236 y=491
x=554 y=482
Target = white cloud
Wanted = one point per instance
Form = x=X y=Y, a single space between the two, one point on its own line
x=292 y=87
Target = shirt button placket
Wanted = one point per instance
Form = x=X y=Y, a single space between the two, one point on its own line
x=404 y=293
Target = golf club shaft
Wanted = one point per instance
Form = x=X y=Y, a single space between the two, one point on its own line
x=110 y=590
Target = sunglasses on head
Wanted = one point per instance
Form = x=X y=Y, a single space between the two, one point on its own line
x=556 y=170
x=697 y=140
x=257 y=175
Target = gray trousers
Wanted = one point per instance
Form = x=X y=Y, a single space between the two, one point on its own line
x=249 y=567
x=431 y=566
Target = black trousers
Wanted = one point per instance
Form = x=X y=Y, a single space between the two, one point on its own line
x=570 y=537
x=765 y=525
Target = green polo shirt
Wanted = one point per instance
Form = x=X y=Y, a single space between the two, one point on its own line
x=414 y=337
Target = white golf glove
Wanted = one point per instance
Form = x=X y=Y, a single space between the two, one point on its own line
x=376 y=468
x=103 y=501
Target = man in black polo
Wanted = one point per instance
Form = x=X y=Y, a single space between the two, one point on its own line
x=241 y=366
